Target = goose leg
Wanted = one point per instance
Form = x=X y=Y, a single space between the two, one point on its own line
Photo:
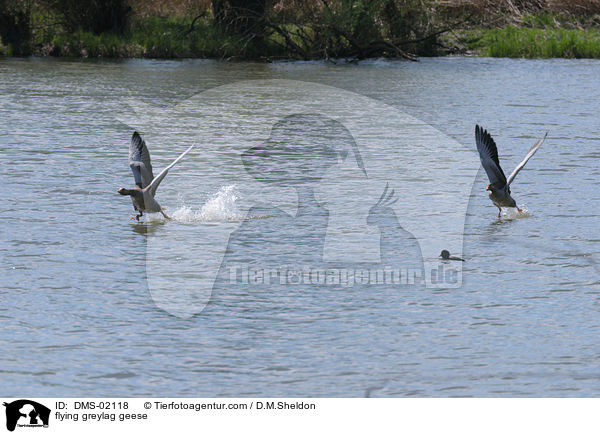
x=499 y=212
x=137 y=217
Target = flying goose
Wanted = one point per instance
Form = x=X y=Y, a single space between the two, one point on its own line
x=499 y=186
x=142 y=195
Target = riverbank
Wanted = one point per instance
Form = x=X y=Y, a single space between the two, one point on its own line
x=541 y=35
x=443 y=31
x=535 y=43
x=163 y=38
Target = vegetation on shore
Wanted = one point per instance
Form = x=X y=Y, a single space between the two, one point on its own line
x=295 y=29
x=540 y=43
x=540 y=35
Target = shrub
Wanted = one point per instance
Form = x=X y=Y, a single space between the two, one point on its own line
x=15 y=25
x=96 y=16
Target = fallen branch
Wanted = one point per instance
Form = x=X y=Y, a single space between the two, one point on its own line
x=191 y=29
x=288 y=40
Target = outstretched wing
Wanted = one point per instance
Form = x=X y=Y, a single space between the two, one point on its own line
x=139 y=161
x=156 y=181
x=488 y=153
x=532 y=151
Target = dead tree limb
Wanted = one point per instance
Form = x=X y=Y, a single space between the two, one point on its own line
x=191 y=29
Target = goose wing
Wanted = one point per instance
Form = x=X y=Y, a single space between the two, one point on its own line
x=532 y=151
x=488 y=154
x=156 y=181
x=139 y=161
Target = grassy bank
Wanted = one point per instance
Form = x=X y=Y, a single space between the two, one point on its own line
x=317 y=29
x=154 y=37
x=542 y=35
x=164 y=38
x=539 y=43
x=244 y=29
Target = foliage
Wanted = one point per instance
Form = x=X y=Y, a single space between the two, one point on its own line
x=356 y=28
x=151 y=37
x=240 y=16
x=96 y=16
x=299 y=29
x=545 y=43
x=15 y=26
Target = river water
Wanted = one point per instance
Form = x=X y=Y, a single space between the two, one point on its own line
x=93 y=303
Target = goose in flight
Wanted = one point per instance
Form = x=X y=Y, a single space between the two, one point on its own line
x=499 y=186
x=142 y=195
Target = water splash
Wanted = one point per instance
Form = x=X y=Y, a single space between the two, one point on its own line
x=152 y=217
x=185 y=214
x=513 y=213
x=221 y=206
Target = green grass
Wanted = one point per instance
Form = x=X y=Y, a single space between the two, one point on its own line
x=541 y=36
x=540 y=43
x=151 y=37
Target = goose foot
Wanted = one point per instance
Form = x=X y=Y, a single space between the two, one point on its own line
x=165 y=216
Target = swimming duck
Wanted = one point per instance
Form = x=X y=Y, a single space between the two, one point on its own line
x=446 y=255
x=499 y=186
x=142 y=195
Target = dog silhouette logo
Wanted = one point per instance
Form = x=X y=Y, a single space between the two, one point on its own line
x=309 y=164
x=26 y=413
